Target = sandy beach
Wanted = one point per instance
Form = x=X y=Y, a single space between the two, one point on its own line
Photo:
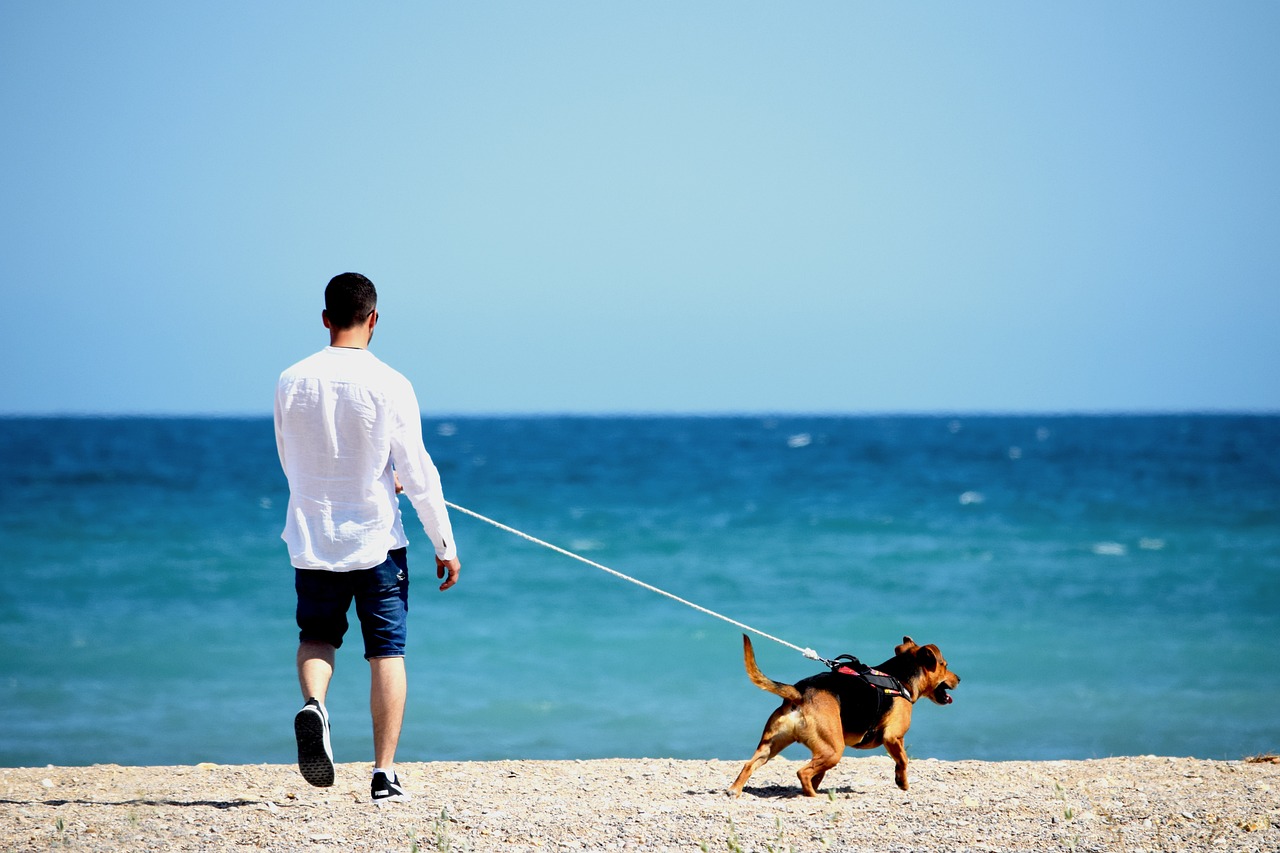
x=1130 y=804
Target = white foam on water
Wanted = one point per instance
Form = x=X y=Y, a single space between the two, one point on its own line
x=1110 y=549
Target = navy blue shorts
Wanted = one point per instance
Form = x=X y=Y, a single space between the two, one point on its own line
x=381 y=595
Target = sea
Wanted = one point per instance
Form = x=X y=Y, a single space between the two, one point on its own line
x=1104 y=586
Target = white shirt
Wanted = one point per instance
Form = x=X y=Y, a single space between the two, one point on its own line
x=343 y=419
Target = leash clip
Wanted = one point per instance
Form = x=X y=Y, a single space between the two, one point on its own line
x=812 y=655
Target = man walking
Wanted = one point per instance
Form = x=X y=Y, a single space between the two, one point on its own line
x=349 y=433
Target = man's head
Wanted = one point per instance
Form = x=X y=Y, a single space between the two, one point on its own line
x=349 y=300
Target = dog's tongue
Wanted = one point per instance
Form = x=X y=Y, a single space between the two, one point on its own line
x=945 y=695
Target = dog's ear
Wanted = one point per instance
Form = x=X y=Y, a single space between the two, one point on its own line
x=908 y=645
x=927 y=657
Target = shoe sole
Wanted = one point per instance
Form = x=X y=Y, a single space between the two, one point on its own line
x=314 y=761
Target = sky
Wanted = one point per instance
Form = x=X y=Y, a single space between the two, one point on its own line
x=635 y=208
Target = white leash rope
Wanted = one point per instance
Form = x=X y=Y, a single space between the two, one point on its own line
x=809 y=653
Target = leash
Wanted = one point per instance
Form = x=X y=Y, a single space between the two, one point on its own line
x=809 y=653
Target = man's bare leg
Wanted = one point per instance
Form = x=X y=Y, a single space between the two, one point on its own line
x=315 y=669
x=311 y=725
x=387 y=687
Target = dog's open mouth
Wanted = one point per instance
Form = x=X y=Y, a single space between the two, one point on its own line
x=942 y=695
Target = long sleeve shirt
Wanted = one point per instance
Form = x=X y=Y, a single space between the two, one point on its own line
x=346 y=424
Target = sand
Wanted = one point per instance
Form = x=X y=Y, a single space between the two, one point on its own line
x=1129 y=804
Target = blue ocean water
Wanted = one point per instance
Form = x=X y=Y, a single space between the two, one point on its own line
x=1104 y=585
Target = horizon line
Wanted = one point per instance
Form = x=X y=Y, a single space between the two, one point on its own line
x=707 y=414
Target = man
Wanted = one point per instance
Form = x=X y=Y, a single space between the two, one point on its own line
x=349 y=434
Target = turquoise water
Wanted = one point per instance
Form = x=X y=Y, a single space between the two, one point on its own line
x=1104 y=585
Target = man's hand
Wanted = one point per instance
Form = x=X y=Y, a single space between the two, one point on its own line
x=450 y=568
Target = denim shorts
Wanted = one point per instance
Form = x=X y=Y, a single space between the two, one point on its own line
x=382 y=604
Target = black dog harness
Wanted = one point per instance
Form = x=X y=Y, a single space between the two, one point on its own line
x=865 y=693
x=886 y=685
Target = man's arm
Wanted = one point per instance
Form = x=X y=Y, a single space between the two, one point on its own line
x=449 y=568
x=279 y=435
x=417 y=475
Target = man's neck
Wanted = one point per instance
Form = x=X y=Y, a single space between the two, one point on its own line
x=356 y=336
x=349 y=339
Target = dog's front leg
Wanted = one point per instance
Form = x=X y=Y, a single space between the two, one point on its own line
x=898 y=752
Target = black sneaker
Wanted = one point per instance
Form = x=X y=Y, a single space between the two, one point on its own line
x=315 y=754
x=386 y=790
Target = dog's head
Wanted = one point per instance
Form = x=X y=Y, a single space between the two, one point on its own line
x=930 y=674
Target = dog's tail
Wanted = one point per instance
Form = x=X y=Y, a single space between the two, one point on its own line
x=759 y=679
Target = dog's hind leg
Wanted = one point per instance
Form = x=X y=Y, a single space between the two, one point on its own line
x=810 y=775
x=824 y=737
x=777 y=736
x=827 y=745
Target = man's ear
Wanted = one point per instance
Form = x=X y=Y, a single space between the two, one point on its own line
x=324 y=316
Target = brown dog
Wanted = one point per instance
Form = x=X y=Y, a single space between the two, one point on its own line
x=832 y=710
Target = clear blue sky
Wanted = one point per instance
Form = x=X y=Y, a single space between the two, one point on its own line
x=647 y=207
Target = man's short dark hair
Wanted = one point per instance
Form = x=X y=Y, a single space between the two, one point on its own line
x=349 y=299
